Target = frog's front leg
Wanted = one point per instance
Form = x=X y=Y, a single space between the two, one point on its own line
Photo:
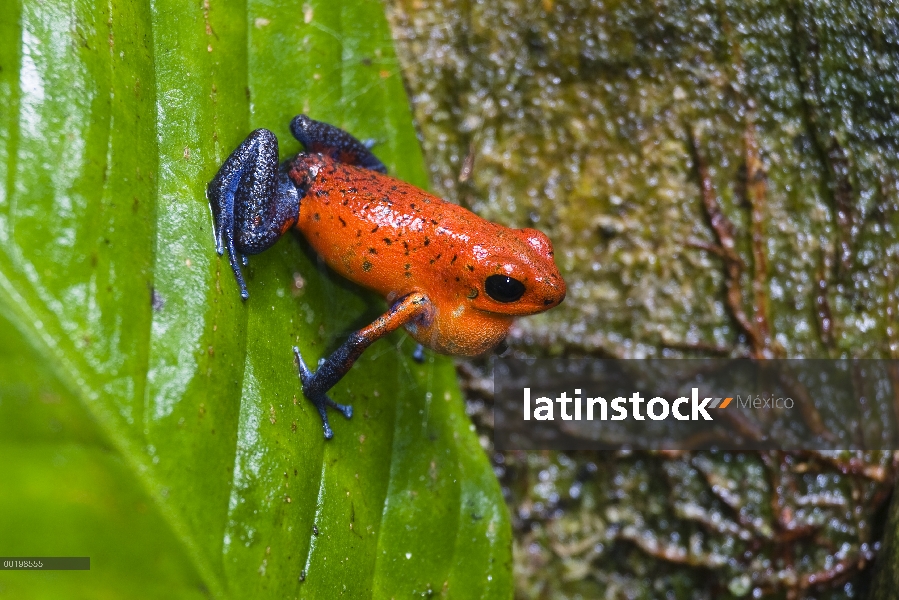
x=252 y=201
x=332 y=369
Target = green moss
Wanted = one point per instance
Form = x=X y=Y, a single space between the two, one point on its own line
x=576 y=118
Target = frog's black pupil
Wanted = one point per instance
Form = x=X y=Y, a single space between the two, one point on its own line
x=504 y=289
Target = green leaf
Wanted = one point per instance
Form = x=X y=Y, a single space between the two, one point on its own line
x=148 y=417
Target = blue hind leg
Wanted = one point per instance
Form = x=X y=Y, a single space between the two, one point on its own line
x=334 y=142
x=253 y=202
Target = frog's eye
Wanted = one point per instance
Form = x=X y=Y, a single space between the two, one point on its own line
x=504 y=289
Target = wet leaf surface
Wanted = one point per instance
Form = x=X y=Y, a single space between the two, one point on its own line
x=146 y=413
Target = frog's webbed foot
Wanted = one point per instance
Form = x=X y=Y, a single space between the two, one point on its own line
x=312 y=390
x=334 y=142
x=252 y=201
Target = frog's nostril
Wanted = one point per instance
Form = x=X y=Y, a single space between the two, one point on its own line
x=556 y=298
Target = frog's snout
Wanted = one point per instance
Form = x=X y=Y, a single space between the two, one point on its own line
x=556 y=291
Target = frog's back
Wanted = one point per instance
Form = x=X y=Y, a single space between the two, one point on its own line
x=378 y=231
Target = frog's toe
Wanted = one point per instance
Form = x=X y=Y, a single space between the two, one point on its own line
x=323 y=413
x=305 y=373
x=418 y=355
x=344 y=409
x=219 y=245
x=234 y=257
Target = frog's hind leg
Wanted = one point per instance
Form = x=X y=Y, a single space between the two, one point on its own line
x=252 y=200
x=334 y=142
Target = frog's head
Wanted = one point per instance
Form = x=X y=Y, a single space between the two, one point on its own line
x=515 y=274
x=500 y=274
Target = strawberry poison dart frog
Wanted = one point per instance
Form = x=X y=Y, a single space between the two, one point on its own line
x=454 y=280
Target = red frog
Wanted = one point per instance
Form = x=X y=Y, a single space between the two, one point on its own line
x=455 y=281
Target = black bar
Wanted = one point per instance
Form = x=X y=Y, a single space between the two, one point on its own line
x=45 y=563
x=696 y=404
